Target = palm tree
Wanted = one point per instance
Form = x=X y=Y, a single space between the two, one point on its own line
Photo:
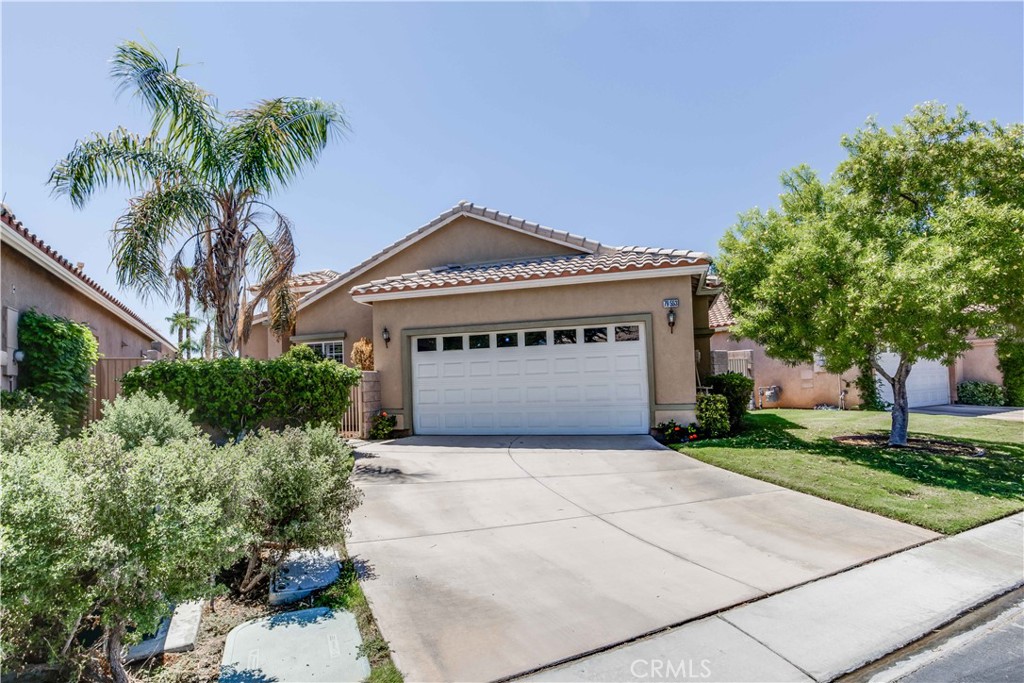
x=184 y=324
x=184 y=276
x=201 y=180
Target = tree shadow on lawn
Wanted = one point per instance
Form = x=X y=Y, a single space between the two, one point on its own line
x=998 y=474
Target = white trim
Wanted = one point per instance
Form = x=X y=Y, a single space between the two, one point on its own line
x=529 y=284
x=25 y=247
x=407 y=241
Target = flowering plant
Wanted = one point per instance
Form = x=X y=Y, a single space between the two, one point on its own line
x=672 y=432
x=382 y=425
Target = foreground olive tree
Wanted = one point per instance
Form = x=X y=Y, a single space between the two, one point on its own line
x=915 y=242
x=202 y=180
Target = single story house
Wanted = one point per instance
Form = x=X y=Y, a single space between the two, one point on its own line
x=34 y=275
x=484 y=323
x=808 y=385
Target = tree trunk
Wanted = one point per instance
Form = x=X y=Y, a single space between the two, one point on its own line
x=900 y=404
x=114 y=636
x=187 y=296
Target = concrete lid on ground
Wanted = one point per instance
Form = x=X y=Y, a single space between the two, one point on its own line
x=303 y=572
x=307 y=645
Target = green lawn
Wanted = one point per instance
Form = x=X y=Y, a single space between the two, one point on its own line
x=793 y=448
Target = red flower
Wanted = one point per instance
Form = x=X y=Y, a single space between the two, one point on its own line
x=383 y=413
x=677 y=429
x=692 y=437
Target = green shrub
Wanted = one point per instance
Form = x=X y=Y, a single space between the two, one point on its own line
x=242 y=394
x=20 y=399
x=713 y=415
x=980 y=394
x=95 y=534
x=868 y=384
x=59 y=357
x=737 y=390
x=1010 y=351
x=25 y=427
x=142 y=417
x=297 y=494
x=382 y=425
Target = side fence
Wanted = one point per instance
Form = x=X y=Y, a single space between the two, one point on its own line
x=108 y=373
x=364 y=403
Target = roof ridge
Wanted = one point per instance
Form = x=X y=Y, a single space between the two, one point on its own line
x=9 y=219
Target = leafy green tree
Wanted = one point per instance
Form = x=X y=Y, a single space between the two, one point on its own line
x=915 y=242
x=203 y=179
x=297 y=494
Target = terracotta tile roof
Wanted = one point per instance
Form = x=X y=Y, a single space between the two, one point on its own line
x=719 y=315
x=463 y=208
x=607 y=260
x=313 y=278
x=11 y=221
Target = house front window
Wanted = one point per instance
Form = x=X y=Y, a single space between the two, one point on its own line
x=335 y=350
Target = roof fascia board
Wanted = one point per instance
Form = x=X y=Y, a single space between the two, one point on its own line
x=26 y=248
x=401 y=246
x=530 y=284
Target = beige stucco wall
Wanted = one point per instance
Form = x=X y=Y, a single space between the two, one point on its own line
x=464 y=240
x=803 y=386
x=674 y=389
x=26 y=285
x=979 y=363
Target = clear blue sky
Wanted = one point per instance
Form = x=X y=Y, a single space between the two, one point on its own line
x=649 y=124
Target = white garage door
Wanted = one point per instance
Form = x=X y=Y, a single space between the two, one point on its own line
x=927 y=384
x=564 y=380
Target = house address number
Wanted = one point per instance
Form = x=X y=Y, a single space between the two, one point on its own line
x=670 y=303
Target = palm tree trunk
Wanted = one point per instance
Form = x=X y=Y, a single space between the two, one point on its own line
x=187 y=297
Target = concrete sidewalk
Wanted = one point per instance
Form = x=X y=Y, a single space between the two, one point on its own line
x=826 y=628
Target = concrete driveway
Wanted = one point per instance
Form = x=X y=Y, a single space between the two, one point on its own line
x=988 y=412
x=488 y=557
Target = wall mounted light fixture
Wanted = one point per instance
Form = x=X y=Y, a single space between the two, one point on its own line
x=386 y=336
x=671 y=320
x=19 y=355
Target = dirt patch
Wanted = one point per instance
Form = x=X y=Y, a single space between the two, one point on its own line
x=930 y=446
x=202 y=665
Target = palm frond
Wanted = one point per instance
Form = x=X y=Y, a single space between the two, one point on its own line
x=188 y=111
x=151 y=223
x=272 y=259
x=271 y=143
x=118 y=157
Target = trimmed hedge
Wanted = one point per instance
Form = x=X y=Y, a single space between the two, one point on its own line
x=1010 y=351
x=59 y=358
x=737 y=390
x=713 y=415
x=242 y=394
x=980 y=394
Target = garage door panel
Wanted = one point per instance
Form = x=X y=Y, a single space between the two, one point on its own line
x=537 y=386
x=927 y=383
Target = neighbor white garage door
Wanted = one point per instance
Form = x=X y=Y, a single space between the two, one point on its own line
x=927 y=384
x=563 y=380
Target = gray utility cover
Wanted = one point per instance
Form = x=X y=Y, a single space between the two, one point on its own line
x=303 y=572
x=308 y=645
x=177 y=634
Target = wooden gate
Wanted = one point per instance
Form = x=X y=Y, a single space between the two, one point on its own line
x=108 y=373
x=352 y=422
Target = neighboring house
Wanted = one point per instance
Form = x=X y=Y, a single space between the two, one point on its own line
x=483 y=323
x=33 y=275
x=808 y=385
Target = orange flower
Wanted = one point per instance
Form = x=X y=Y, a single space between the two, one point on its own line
x=678 y=428
x=383 y=413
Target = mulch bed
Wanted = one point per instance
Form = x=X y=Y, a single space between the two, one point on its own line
x=930 y=446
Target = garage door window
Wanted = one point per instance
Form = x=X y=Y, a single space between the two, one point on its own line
x=627 y=333
x=536 y=338
x=479 y=341
x=565 y=336
x=594 y=335
x=451 y=343
x=426 y=344
x=507 y=340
